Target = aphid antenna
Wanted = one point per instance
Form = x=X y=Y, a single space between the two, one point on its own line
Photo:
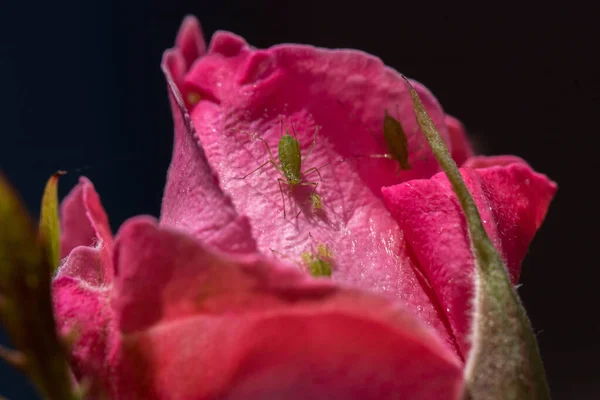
x=284 y=256
x=316 y=169
x=281 y=121
x=252 y=135
x=294 y=130
x=312 y=146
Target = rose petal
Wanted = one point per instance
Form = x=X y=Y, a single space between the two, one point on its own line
x=311 y=82
x=193 y=200
x=492 y=161
x=519 y=199
x=82 y=285
x=512 y=202
x=245 y=90
x=190 y=40
x=460 y=145
x=84 y=223
x=254 y=331
x=83 y=311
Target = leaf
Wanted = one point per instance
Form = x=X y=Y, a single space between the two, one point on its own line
x=49 y=227
x=504 y=362
x=26 y=303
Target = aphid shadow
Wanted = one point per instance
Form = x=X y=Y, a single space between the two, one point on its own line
x=305 y=208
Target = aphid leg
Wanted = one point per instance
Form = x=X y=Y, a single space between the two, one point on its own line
x=311 y=183
x=315 y=200
x=311 y=197
x=311 y=171
x=271 y=158
x=279 y=181
x=262 y=165
x=281 y=128
x=252 y=135
x=254 y=170
x=312 y=146
x=316 y=184
x=280 y=254
x=294 y=131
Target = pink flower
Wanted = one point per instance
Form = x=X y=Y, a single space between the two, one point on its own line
x=196 y=305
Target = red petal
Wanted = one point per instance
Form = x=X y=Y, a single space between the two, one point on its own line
x=512 y=202
x=82 y=286
x=519 y=199
x=190 y=40
x=202 y=326
x=84 y=223
x=83 y=310
x=193 y=200
x=492 y=161
x=245 y=89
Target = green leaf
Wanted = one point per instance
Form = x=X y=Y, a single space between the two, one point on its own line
x=504 y=361
x=25 y=299
x=49 y=224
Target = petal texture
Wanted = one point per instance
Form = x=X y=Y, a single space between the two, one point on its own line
x=205 y=326
x=512 y=201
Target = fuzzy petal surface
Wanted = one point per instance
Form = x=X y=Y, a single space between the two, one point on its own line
x=343 y=94
x=83 y=283
x=193 y=200
x=84 y=223
x=203 y=325
x=512 y=201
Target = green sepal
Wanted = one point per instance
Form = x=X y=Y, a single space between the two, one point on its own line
x=26 y=301
x=504 y=361
x=49 y=224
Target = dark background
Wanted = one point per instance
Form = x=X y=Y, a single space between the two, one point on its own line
x=81 y=90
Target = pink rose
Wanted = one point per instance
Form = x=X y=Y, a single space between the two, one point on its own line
x=196 y=305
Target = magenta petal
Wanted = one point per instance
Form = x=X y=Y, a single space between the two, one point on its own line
x=251 y=330
x=460 y=145
x=193 y=200
x=174 y=62
x=190 y=40
x=247 y=90
x=307 y=84
x=492 y=161
x=84 y=311
x=512 y=202
x=82 y=285
x=84 y=223
x=519 y=199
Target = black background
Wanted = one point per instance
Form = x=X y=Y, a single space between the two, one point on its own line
x=81 y=90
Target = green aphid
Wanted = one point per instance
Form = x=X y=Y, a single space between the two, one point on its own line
x=316 y=201
x=319 y=264
x=395 y=140
x=395 y=137
x=290 y=163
